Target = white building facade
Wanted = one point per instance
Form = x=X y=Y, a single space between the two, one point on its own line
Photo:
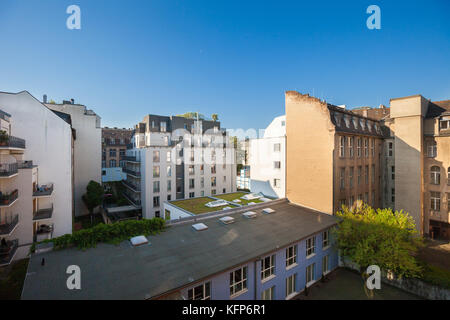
x=35 y=174
x=267 y=158
x=177 y=158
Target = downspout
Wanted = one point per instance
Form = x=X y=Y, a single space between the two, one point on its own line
x=254 y=279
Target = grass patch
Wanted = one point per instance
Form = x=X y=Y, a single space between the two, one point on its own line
x=237 y=195
x=11 y=286
x=436 y=275
x=196 y=205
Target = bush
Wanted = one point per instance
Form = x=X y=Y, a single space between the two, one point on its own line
x=107 y=233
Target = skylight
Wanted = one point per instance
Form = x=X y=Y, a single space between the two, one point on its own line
x=249 y=214
x=227 y=220
x=199 y=226
x=268 y=210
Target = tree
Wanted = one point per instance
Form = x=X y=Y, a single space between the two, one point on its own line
x=192 y=115
x=215 y=117
x=93 y=196
x=379 y=237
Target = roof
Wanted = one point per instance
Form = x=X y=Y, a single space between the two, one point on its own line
x=436 y=108
x=175 y=258
x=65 y=116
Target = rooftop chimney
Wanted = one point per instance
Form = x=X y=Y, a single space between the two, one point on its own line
x=44 y=99
x=72 y=100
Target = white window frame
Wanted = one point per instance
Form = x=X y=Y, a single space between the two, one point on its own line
x=269 y=269
x=268 y=294
x=243 y=281
x=291 y=282
x=291 y=256
x=206 y=291
x=435 y=198
x=310 y=274
x=325 y=264
x=310 y=247
x=325 y=239
x=342 y=146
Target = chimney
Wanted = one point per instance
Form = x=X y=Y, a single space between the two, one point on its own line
x=44 y=99
x=72 y=100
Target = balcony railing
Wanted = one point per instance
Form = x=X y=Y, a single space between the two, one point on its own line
x=130 y=158
x=132 y=172
x=8 y=169
x=7 y=251
x=132 y=199
x=133 y=186
x=8 y=199
x=44 y=190
x=27 y=164
x=43 y=214
x=12 y=142
x=7 y=227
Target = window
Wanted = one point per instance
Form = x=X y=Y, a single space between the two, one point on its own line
x=358 y=147
x=448 y=176
x=169 y=197
x=191 y=194
x=224 y=178
x=157 y=214
x=103 y=172
x=224 y=190
x=277 y=164
x=103 y=164
x=155 y=171
x=393 y=195
x=163 y=125
x=351 y=201
x=448 y=201
x=156 y=202
x=277 y=147
x=342 y=146
x=201 y=292
x=445 y=124
x=351 y=141
x=167 y=214
x=325 y=239
x=191 y=184
x=122 y=152
x=359 y=174
x=393 y=172
x=169 y=185
x=268 y=294
x=291 y=256
x=122 y=163
x=366 y=174
x=435 y=175
x=112 y=163
x=213 y=169
x=290 y=284
x=341 y=203
x=373 y=174
x=432 y=150
x=310 y=246
x=191 y=170
x=202 y=169
x=351 y=177
x=390 y=149
x=169 y=171
x=169 y=156
x=202 y=182
x=213 y=181
x=276 y=183
x=366 y=197
x=192 y=156
x=213 y=191
x=366 y=148
x=372 y=147
x=325 y=264
x=342 y=178
x=155 y=186
x=267 y=267
x=155 y=156
x=435 y=201
x=238 y=281
x=283 y=123
x=373 y=199
x=310 y=273
x=112 y=152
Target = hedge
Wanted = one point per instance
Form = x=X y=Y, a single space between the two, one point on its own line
x=108 y=233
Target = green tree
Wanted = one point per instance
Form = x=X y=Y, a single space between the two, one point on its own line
x=93 y=196
x=379 y=237
x=215 y=116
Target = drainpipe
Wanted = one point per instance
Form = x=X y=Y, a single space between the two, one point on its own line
x=255 y=278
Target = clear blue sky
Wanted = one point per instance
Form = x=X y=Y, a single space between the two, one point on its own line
x=234 y=58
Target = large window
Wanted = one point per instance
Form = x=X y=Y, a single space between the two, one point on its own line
x=350 y=176
x=435 y=201
x=191 y=183
x=290 y=285
x=267 y=267
x=359 y=174
x=373 y=174
x=169 y=171
x=277 y=164
x=163 y=126
x=435 y=175
x=325 y=264
x=277 y=147
x=393 y=172
x=169 y=156
x=155 y=171
x=390 y=149
x=213 y=181
x=342 y=146
x=238 y=281
x=201 y=292
x=291 y=256
x=325 y=239
x=213 y=169
x=112 y=163
x=366 y=148
x=358 y=147
x=155 y=186
x=191 y=170
x=372 y=147
x=155 y=155
x=432 y=149
x=342 y=178
x=366 y=174
x=155 y=201
x=310 y=246
x=169 y=185
x=268 y=294
x=351 y=141
x=310 y=273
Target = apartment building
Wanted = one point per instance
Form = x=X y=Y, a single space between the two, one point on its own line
x=267 y=159
x=237 y=260
x=36 y=150
x=114 y=147
x=87 y=148
x=176 y=158
x=333 y=155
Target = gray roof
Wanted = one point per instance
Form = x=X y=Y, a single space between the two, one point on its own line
x=175 y=258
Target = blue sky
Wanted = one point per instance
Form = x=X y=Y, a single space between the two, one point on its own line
x=234 y=58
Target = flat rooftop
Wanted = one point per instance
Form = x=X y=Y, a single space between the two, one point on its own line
x=174 y=258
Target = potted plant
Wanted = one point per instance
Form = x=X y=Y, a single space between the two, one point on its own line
x=4 y=138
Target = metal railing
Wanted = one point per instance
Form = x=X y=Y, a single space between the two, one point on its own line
x=7 y=199
x=131 y=185
x=131 y=199
x=43 y=213
x=8 y=169
x=6 y=227
x=44 y=190
x=26 y=164
x=8 y=251
x=13 y=142
x=132 y=172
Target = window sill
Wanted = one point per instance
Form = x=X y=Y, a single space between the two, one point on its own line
x=268 y=278
x=291 y=266
x=326 y=248
x=290 y=296
x=237 y=294
x=309 y=284
x=310 y=256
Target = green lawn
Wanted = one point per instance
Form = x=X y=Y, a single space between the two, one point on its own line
x=11 y=280
x=236 y=195
x=196 y=205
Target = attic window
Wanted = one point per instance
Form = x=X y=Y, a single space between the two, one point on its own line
x=227 y=220
x=199 y=226
x=268 y=210
x=249 y=214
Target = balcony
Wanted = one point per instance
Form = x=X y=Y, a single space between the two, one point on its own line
x=132 y=199
x=28 y=164
x=6 y=228
x=8 y=170
x=43 y=232
x=43 y=191
x=130 y=159
x=132 y=186
x=132 y=172
x=7 y=251
x=11 y=142
x=42 y=214
x=7 y=200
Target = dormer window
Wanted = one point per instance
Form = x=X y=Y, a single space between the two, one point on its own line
x=444 y=123
x=337 y=119
x=362 y=123
x=355 y=122
x=347 y=120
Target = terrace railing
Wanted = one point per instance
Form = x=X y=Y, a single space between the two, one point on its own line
x=8 y=169
x=7 y=227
